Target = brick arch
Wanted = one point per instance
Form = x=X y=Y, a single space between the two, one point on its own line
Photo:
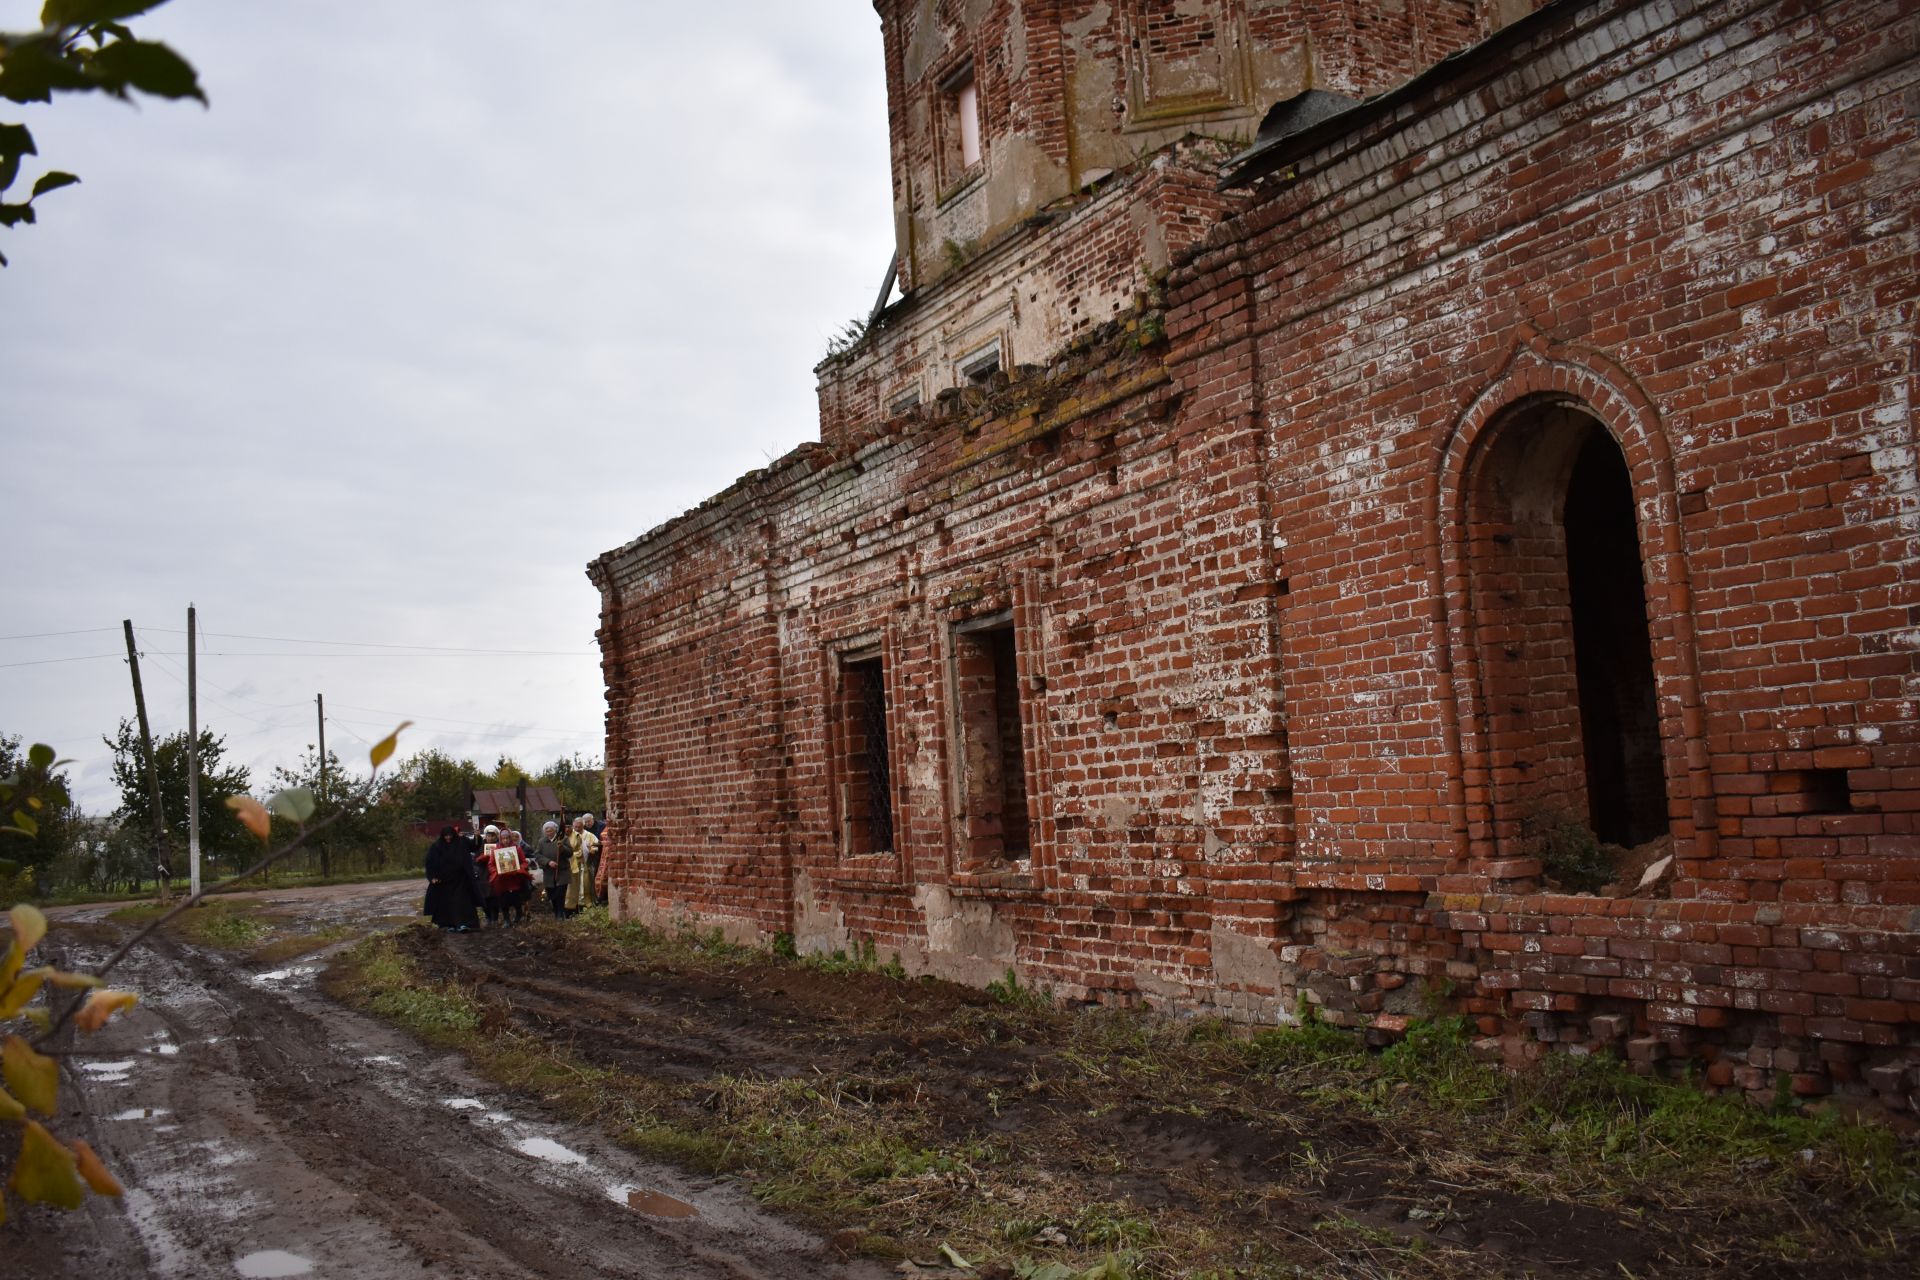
x=1542 y=374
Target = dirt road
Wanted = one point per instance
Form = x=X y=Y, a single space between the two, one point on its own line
x=263 y=1130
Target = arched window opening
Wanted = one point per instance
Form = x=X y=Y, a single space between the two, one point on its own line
x=1562 y=643
x=1620 y=723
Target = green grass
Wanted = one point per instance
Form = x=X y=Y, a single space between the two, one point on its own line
x=865 y=959
x=437 y=1012
x=1009 y=992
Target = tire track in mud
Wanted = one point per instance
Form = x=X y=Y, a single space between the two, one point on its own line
x=259 y=1115
x=664 y=1034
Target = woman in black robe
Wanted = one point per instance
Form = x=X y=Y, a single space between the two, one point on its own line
x=450 y=883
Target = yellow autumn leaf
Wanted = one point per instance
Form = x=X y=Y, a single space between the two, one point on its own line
x=95 y=1174
x=71 y=981
x=102 y=1005
x=47 y=1172
x=32 y=1077
x=386 y=746
x=16 y=997
x=29 y=926
x=252 y=814
x=10 y=966
x=10 y=1108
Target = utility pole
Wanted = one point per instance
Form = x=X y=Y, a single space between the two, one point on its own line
x=193 y=759
x=162 y=872
x=320 y=704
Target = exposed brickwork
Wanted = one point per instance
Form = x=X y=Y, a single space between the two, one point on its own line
x=1294 y=580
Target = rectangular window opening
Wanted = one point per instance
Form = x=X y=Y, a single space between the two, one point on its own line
x=991 y=760
x=959 y=127
x=866 y=787
x=978 y=368
x=1815 y=791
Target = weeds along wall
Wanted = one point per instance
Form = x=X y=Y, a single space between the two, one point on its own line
x=1532 y=445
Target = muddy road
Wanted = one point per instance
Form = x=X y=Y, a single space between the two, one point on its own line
x=263 y=1130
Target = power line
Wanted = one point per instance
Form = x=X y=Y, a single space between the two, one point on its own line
x=45 y=635
x=370 y=644
x=79 y=657
x=174 y=674
x=477 y=653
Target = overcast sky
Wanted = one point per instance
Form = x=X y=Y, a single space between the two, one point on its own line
x=437 y=301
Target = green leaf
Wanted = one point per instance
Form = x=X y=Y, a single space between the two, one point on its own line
x=15 y=142
x=34 y=69
x=24 y=822
x=51 y=181
x=40 y=755
x=82 y=13
x=147 y=66
x=47 y=1172
x=11 y=214
x=295 y=803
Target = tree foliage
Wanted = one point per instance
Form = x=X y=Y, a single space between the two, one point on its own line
x=48 y=1001
x=365 y=826
x=581 y=786
x=82 y=46
x=221 y=835
x=432 y=786
x=34 y=802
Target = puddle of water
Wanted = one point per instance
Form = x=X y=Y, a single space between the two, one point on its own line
x=383 y=1060
x=499 y=1117
x=655 y=1204
x=549 y=1150
x=141 y=1113
x=281 y=975
x=109 y=1072
x=464 y=1104
x=273 y=1262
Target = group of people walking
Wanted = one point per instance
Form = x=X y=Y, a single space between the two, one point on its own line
x=492 y=872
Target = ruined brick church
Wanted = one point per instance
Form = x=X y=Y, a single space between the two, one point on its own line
x=1386 y=506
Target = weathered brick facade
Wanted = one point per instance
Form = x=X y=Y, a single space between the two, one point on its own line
x=1529 y=449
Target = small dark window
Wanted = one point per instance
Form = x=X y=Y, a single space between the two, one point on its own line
x=991 y=760
x=866 y=784
x=1814 y=791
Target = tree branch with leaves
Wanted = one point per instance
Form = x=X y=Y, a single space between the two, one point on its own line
x=82 y=46
x=46 y=1169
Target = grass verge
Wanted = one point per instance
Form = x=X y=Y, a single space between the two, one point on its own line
x=1037 y=1141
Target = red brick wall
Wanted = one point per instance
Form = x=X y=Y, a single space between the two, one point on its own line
x=1277 y=747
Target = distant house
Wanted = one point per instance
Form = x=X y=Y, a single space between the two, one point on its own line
x=501 y=805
